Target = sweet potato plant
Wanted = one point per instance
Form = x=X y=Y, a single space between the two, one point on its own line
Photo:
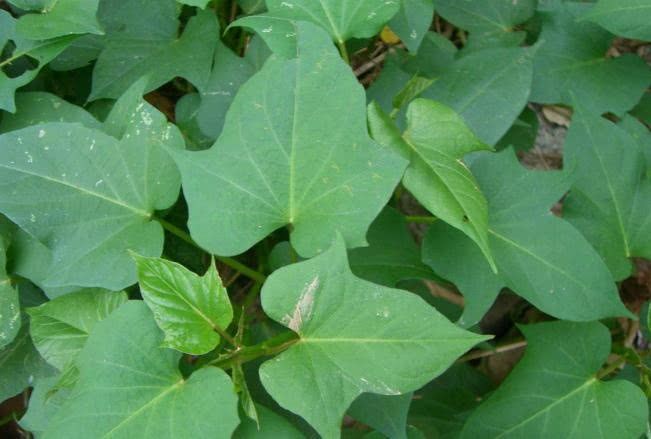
x=325 y=218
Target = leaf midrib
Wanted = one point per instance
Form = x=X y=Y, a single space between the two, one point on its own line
x=83 y=190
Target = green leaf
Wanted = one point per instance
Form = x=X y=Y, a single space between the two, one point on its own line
x=571 y=66
x=392 y=254
x=445 y=403
x=610 y=198
x=488 y=21
x=288 y=155
x=89 y=196
x=539 y=256
x=21 y=364
x=627 y=18
x=343 y=19
x=272 y=426
x=228 y=74
x=130 y=386
x=252 y=6
x=60 y=328
x=553 y=390
x=36 y=107
x=412 y=22
x=43 y=405
x=522 y=135
x=58 y=18
x=278 y=33
x=386 y=414
x=488 y=89
x=435 y=142
x=20 y=62
x=347 y=327
x=146 y=21
x=198 y=3
x=9 y=305
x=125 y=59
x=188 y=308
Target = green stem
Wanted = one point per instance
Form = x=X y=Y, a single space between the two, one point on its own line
x=341 y=45
x=181 y=234
x=225 y=335
x=267 y=348
x=421 y=219
x=611 y=368
x=475 y=355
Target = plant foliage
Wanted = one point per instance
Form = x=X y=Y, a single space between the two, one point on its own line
x=325 y=218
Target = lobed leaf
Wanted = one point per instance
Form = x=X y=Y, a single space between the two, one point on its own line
x=288 y=155
x=610 y=198
x=554 y=392
x=564 y=277
x=89 y=196
x=347 y=327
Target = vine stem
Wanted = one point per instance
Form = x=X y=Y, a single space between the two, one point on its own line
x=421 y=219
x=498 y=350
x=341 y=45
x=245 y=354
x=233 y=263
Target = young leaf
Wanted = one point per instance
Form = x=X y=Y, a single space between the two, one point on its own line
x=9 y=305
x=554 y=268
x=386 y=414
x=347 y=327
x=392 y=254
x=435 y=142
x=40 y=51
x=627 y=18
x=343 y=19
x=191 y=310
x=126 y=59
x=58 y=18
x=59 y=328
x=130 y=386
x=288 y=155
x=89 y=196
x=610 y=198
x=490 y=22
x=412 y=22
x=554 y=392
x=571 y=66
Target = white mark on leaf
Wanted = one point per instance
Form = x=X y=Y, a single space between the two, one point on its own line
x=303 y=308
